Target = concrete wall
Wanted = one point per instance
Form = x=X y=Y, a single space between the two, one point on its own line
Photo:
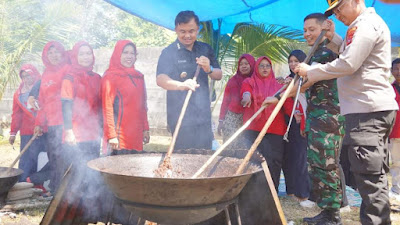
x=146 y=63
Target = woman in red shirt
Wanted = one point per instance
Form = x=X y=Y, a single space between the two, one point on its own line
x=81 y=110
x=123 y=92
x=254 y=91
x=81 y=103
x=23 y=120
x=231 y=114
x=49 y=117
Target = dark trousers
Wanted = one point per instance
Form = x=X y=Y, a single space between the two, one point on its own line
x=366 y=140
x=57 y=162
x=295 y=163
x=29 y=160
x=271 y=148
x=194 y=137
x=124 y=152
x=84 y=183
x=345 y=164
x=41 y=176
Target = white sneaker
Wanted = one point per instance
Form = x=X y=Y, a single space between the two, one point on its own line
x=345 y=209
x=308 y=204
x=394 y=196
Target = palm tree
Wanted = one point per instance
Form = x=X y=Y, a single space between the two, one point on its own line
x=25 y=27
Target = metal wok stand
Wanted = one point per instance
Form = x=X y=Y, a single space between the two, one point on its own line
x=217 y=206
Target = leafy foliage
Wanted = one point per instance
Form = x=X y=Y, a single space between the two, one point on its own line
x=27 y=25
x=141 y=32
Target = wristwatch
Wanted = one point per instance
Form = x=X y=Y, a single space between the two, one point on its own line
x=211 y=69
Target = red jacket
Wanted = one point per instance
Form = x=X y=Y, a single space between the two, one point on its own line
x=22 y=119
x=231 y=99
x=84 y=92
x=232 y=95
x=396 y=128
x=50 y=112
x=80 y=96
x=278 y=126
x=124 y=109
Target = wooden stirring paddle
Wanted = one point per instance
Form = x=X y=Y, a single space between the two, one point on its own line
x=165 y=169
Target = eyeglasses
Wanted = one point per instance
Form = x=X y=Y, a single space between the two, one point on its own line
x=339 y=8
x=262 y=66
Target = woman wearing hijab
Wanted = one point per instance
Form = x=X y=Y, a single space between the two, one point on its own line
x=49 y=116
x=295 y=151
x=231 y=113
x=23 y=120
x=254 y=91
x=54 y=58
x=81 y=103
x=81 y=108
x=123 y=92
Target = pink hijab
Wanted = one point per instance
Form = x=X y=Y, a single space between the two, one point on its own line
x=263 y=87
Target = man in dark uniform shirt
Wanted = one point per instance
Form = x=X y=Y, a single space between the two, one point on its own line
x=175 y=70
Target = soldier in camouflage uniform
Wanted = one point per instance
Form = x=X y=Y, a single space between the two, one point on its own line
x=324 y=127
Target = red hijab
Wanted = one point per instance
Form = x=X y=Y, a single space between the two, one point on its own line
x=31 y=71
x=239 y=77
x=73 y=54
x=115 y=67
x=263 y=87
x=50 y=67
x=83 y=74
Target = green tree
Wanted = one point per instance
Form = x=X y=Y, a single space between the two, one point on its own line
x=141 y=32
x=25 y=26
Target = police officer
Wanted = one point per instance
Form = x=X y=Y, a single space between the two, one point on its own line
x=175 y=70
x=366 y=99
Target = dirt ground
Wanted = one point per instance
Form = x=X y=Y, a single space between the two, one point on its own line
x=292 y=210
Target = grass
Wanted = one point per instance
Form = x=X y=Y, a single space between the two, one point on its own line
x=292 y=210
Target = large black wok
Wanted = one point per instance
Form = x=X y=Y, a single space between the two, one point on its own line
x=176 y=200
x=7 y=181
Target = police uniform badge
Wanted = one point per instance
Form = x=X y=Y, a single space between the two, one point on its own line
x=183 y=75
x=350 y=35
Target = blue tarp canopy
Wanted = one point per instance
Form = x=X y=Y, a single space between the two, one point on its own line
x=280 y=12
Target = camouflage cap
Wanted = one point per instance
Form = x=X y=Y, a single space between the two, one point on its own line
x=332 y=4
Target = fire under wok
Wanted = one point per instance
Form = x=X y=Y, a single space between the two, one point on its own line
x=7 y=181
x=179 y=199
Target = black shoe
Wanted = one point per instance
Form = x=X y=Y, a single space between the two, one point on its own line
x=315 y=219
x=333 y=218
x=326 y=217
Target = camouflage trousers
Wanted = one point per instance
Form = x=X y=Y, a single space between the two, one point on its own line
x=323 y=158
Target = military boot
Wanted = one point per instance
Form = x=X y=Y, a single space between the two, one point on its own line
x=315 y=219
x=332 y=218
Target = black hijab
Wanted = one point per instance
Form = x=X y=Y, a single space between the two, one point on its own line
x=300 y=55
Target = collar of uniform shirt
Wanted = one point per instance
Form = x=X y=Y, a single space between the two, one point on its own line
x=180 y=46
